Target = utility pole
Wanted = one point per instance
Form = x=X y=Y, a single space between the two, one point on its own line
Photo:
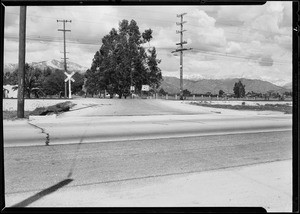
x=21 y=70
x=65 y=53
x=181 y=49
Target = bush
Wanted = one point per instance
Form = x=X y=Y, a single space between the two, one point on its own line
x=55 y=109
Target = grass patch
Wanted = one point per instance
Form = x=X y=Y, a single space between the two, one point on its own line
x=12 y=115
x=267 y=107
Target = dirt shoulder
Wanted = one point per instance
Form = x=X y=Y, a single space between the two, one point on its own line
x=287 y=109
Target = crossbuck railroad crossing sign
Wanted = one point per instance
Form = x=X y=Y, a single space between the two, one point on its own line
x=69 y=78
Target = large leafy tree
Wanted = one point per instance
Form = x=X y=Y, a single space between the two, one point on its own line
x=33 y=79
x=10 y=78
x=77 y=85
x=54 y=83
x=123 y=61
x=239 y=89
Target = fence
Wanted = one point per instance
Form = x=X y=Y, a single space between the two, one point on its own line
x=204 y=98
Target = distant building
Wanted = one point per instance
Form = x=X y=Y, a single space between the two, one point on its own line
x=10 y=91
x=228 y=95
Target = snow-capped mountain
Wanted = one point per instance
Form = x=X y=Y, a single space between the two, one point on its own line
x=10 y=67
x=288 y=85
x=52 y=64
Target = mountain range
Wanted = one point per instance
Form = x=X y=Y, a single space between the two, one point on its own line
x=52 y=64
x=172 y=85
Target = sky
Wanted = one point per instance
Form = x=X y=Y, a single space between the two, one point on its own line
x=227 y=41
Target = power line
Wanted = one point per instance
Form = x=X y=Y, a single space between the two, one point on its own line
x=239 y=56
x=160 y=20
x=195 y=50
x=45 y=39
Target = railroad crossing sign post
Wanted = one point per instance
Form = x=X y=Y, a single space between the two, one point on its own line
x=69 y=78
x=132 y=88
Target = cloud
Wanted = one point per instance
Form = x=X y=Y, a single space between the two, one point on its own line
x=287 y=15
x=204 y=34
x=241 y=14
x=252 y=35
x=277 y=15
x=284 y=41
x=266 y=61
x=233 y=48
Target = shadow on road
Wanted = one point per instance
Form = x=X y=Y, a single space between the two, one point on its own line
x=43 y=193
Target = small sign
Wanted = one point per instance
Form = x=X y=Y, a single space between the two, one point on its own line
x=69 y=76
x=132 y=88
x=145 y=87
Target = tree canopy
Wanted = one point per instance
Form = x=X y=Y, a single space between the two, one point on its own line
x=33 y=79
x=221 y=93
x=122 y=61
x=239 y=89
x=45 y=82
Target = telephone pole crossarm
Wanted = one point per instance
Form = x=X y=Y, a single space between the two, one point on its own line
x=181 y=23
x=180 y=31
x=181 y=43
x=181 y=49
x=180 y=15
x=63 y=30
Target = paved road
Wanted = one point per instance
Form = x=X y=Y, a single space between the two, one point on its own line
x=149 y=119
x=38 y=167
x=108 y=147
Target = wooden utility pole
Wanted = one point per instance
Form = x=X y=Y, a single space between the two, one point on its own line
x=65 y=52
x=181 y=49
x=21 y=70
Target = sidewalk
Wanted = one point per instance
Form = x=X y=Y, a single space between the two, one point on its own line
x=267 y=185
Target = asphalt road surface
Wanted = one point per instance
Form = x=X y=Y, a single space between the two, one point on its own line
x=113 y=120
x=35 y=168
x=157 y=139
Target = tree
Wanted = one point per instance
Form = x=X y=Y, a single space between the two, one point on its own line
x=239 y=89
x=154 y=76
x=77 y=85
x=221 y=93
x=33 y=80
x=122 y=61
x=162 y=92
x=10 y=78
x=186 y=93
x=54 y=83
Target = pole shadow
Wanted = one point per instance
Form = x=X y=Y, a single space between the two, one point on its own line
x=43 y=193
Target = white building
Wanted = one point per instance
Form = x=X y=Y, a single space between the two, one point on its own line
x=9 y=91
